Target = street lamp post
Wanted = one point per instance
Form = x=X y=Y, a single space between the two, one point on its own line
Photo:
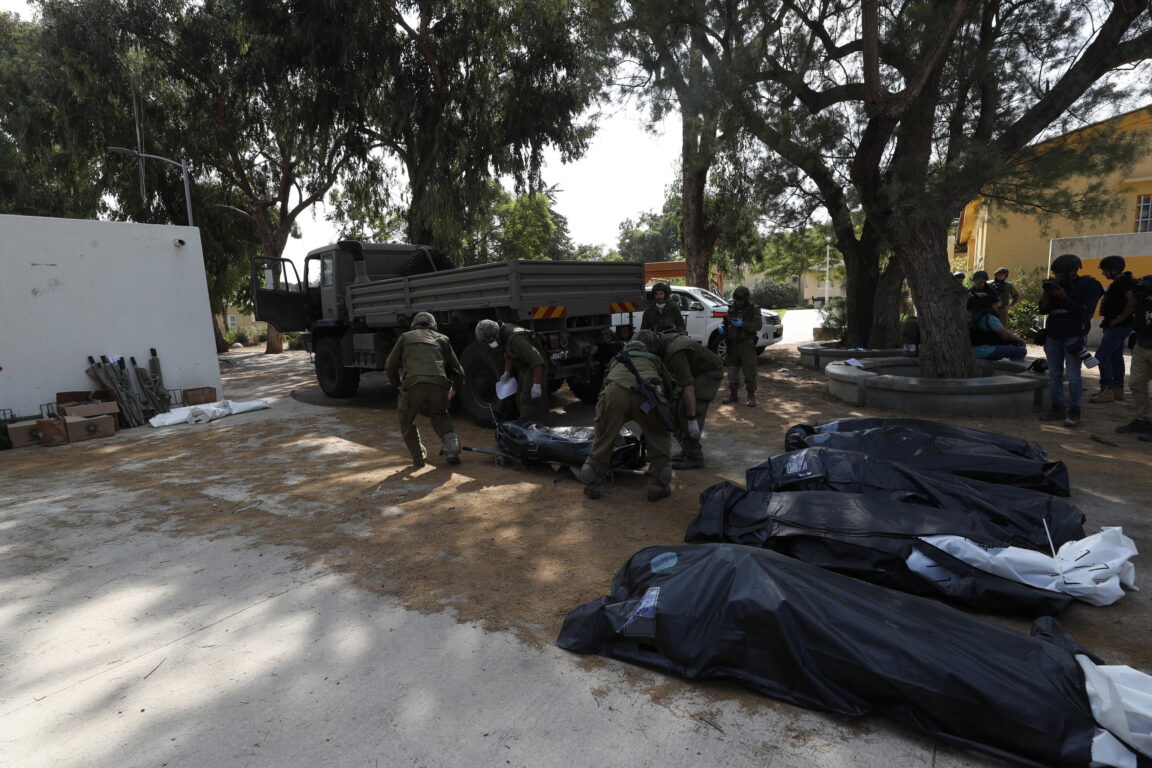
x=827 y=265
x=182 y=165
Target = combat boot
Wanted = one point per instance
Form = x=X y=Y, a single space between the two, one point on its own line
x=751 y=399
x=733 y=396
x=1105 y=396
x=451 y=448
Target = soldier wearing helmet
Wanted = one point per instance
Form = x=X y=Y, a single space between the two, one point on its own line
x=621 y=400
x=662 y=314
x=979 y=282
x=523 y=360
x=740 y=328
x=1116 y=310
x=432 y=376
x=959 y=277
x=1069 y=300
x=698 y=372
x=1006 y=291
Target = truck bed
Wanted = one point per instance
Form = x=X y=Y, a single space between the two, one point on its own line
x=581 y=287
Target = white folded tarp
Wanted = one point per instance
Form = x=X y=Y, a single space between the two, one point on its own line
x=202 y=414
x=1121 y=699
x=1095 y=569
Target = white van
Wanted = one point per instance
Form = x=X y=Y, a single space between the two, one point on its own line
x=703 y=313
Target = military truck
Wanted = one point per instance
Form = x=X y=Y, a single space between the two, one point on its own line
x=355 y=299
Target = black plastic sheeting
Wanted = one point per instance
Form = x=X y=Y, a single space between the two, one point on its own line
x=870 y=538
x=1020 y=513
x=825 y=641
x=930 y=449
x=1006 y=443
x=565 y=445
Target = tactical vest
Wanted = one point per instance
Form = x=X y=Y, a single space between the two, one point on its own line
x=424 y=356
x=980 y=335
x=651 y=370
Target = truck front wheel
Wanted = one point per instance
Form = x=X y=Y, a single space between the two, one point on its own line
x=588 y=391
x=335 y=380
x=482 y=370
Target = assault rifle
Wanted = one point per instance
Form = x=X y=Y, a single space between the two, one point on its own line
x=651 y=401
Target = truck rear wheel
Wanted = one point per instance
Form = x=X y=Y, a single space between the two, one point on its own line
x=482 y=370
x=335 y=380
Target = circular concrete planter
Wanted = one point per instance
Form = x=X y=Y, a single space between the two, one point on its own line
x=894 y=383
x=818 y=354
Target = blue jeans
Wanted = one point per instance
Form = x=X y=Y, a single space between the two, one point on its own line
x=1111 y=357
x=1056 y=353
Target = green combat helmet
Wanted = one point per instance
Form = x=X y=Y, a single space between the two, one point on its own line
x=424 y=320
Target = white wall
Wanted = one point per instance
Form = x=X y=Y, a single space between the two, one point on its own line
x=71 y=288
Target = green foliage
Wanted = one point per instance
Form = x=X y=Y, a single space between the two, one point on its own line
x=1024 y=319
x=770 y=295
x=241 y=336
x=526 y=230
x=292 y=340
x=654 y=237
x=834 y=315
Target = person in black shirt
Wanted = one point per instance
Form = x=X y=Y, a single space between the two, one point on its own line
x=1115 y=308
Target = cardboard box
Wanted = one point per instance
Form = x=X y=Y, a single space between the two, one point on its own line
x=199 y=395
x=24 y=433
x=75 y=397
x=52 y=432
x=93 y=409
x=79 y=428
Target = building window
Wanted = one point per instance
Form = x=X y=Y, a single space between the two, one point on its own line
x=232 y=322
x=1144 y=213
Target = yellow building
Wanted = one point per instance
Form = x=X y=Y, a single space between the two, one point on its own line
x=993 y=238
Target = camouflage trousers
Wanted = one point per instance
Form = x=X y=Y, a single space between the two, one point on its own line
x=408 y=406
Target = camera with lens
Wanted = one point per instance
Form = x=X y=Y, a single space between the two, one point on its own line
x=1085 y=356
x=1051 y=283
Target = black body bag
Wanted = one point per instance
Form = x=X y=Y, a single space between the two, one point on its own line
x=825 y=641
x=565 y=445
x=870 y=538
x=978 y=459
x=1013 y=445
x=1021 y=513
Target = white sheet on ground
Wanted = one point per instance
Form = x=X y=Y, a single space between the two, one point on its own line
x=202 y=414
x=1095 y=569
x=1121 y=699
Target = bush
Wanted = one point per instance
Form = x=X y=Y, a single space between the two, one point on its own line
x=834 y=315
x=1024 y=319
x=237 y=336
x=292 y=341
x=769 y=295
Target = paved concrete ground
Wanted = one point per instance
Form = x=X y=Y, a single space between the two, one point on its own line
x=124 y=643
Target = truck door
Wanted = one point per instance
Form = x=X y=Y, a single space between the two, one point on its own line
x=279 y=295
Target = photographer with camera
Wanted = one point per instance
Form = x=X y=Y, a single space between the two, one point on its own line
x=1069 y=300
x=1116 y=309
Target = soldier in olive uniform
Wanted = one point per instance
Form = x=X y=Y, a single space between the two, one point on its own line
x=662 y=314
x=1007 y=291
x=620 y=401
x=698 y=372
x=741 y=328
x=432 y=376
x=523 y=360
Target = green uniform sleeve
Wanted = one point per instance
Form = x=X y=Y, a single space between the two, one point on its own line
x=753 y=320
x=392 y=364
x=680 y=368
x=452 y=365
x=524 y=352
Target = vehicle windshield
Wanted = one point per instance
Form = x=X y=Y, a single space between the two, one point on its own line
x=710 y=296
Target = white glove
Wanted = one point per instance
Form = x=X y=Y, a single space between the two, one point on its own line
x=536 y=391
x=693 y=429
x=505 y=376
x=451 y=392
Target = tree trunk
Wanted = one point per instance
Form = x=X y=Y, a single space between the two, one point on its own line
x=693 y=181
x=221 y=345
x=945 y=351
x=861 y=279
x=275 y=343
x=886 y=308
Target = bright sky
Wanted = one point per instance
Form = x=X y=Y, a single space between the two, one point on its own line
x=624 y=174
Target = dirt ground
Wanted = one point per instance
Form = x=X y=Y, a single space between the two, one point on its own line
x=511 y=548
